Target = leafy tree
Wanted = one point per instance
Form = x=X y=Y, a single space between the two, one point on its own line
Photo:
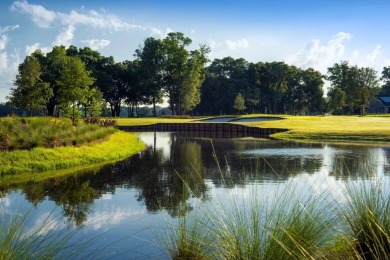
x=360 y=85
x=368 y=87
x=95 y=102
x=385 y=89
x=51 y=65
x=239 y=103
x=175 y=58
x=112 y=83
x=274 y=85
x=179 y=66
x=150 y=58
x=336 y=99
x=30 y=92
x=74 y=82
x=194 y=78
x=224 y=79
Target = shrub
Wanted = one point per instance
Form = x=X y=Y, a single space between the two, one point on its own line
x=108 y=122
x=92 y=120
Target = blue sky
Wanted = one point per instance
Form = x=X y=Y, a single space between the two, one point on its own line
x=303 y=33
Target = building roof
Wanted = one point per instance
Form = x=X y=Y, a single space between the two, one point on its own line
x=385 y=100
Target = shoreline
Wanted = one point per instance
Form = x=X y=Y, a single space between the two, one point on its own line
x=43 y=163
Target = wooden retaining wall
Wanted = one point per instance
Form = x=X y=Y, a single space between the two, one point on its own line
x=213 y=129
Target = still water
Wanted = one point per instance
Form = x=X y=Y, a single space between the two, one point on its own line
x=126 y=207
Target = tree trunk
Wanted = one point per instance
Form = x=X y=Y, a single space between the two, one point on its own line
x=154 y=106
x=50 y=108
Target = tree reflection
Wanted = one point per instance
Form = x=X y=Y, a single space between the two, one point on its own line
x=359 y=163
x=167 y=179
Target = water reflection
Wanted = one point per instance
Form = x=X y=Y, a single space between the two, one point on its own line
x=176 y=168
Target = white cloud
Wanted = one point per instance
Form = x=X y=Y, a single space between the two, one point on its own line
x=160 y=33
x=3 y=41
x=65 y=37
x=371 y=57
x=233 y=45
x=44 y=18
x=31 y=48
x=39 y=15
x=9 y=62
x=9 y=28
x=319 y=56
x=113 y=217
x=96 y=44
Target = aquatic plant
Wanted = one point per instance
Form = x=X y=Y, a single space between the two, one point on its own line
x=367 y=219
x=18 y=241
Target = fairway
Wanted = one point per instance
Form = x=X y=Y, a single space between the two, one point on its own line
x=327 y=128
x=337 y=128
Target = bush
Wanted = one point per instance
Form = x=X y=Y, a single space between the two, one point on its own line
x=108 y=122
x=92 y=120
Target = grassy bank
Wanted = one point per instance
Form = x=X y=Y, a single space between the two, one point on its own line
x=118 y=146
x=306 y=128
x=332 y=128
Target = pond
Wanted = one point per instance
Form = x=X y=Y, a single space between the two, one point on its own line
x=128 y=206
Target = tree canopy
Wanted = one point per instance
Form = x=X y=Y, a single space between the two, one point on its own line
x=168 y=69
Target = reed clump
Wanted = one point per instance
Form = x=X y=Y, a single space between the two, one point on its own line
x=367 y=218
x=18 y=241
x=288 y=225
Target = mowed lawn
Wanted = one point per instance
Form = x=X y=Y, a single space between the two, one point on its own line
x=338 y=128
x=329 y=128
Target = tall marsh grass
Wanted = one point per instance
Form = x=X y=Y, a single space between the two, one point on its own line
x=27 y=133
x=367 y=218
x=18 y=241
x=288 y=224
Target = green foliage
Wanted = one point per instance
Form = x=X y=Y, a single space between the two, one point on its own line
x=30 y=92
x=74 y=82
x=368 y=219
x=359 y=85
x=271 y=87
x=239 y=103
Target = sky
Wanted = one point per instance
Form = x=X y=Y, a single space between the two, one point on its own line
x=305 y=33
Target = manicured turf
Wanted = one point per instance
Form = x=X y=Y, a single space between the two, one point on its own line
x=320 y=128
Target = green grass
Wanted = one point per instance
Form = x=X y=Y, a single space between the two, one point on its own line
x=331 y=128
x=119 y=145
x=374 y=128
x=368 y=219
x=27 y=133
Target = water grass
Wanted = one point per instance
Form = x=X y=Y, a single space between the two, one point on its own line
x=287 y=223
x=367 y=218
x=18 y=241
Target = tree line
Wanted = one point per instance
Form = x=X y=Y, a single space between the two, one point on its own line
x=68 y=79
